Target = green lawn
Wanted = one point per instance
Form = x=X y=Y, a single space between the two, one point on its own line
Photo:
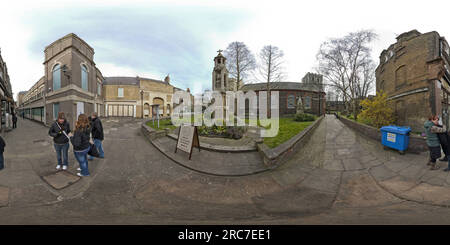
x=163 y=124
x=288 y=129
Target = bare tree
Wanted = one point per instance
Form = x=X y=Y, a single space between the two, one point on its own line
x=346 y=65
x=240 y=60
x=271 y=68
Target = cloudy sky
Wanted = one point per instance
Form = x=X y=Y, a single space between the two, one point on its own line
x=155 y=38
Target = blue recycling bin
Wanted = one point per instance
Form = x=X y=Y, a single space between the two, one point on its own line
x=395 y=137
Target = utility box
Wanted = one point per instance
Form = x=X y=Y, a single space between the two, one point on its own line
x=395 y=137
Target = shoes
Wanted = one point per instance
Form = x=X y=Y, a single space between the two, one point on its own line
x=79 y=174
x=434 y=166
x=58 y=167
x=428 y=163
x=64 y=167
x=446 y=169
x=78 y=169
x=444 y=159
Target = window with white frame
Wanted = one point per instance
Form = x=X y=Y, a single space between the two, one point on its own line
x=120 y=92
x=56 y=77
x=291 y=101
x=99 y=89
x=84 y=77
x=307 y=102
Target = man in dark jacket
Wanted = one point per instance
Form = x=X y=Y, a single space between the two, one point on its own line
x=2 y=149
x=444 y=141
x=97 y=134
x=14 y=119
x=60 y=131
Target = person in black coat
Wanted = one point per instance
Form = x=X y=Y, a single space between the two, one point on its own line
x=81 y=143
x=60 y=131
x=97 y=134
x=14 y=119
x=2 y=149
x=444 y=141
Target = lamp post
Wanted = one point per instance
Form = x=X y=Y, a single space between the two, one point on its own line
x=142 y=103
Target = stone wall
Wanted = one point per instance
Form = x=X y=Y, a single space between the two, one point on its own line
x=276 y=156
x=416 y=144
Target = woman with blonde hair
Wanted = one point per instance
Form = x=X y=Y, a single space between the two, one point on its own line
x=81 y=143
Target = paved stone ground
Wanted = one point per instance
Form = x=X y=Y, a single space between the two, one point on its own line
x=338 y=178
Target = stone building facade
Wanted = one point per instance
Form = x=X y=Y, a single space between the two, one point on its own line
x=313 y=97
x=6 y=96
x=414 y=72
x=71 y=83
x=134 y=96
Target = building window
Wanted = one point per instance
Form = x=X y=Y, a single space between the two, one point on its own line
x=84 y=77
x=55 y=110
x=168 y=109
x=99 y=89
x=307 y=102
x=400 y=76
x=56 y=77
x=120 y=92
x=291 y=101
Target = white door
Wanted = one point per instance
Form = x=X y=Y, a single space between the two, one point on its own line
x=80 y=108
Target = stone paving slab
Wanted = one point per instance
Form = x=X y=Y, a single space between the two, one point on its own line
x=429 y=194
x=323 y=180
x=4 y=196
x=397 y=166
x=294 y=201
x=381 y=173
x=61 y=179
x=31 y=195
x=352 y=164
x=358 y=189
x=334 y=165
x=397 y=184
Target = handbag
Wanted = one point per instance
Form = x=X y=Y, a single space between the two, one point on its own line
x=93 y=151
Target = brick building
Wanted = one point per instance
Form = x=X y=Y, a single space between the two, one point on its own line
x=310 y=90
x=71 y=83
x=414 y=72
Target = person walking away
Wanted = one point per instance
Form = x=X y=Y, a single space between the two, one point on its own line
x=81 y=144
x=14 y=119
x=97 y=134
x=2 y=149
x=443 y=140
x=60 y=131
x=431 y=130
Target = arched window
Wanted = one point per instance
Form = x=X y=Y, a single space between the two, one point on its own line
x=56 y=77
x=84 y=77
x=291 y=101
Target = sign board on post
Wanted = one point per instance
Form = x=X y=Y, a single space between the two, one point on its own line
x=187 y=139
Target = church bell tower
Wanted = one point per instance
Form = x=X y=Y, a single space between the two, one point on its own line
x=220 y=73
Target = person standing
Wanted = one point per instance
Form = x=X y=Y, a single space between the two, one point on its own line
x=81 y=144
x=97 y=134
x=434 y=146
x=2 y=149
x=14 y=120
x=60 y=131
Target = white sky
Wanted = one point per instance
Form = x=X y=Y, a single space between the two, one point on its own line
x=298 y=28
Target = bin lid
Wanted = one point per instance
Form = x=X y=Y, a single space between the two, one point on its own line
x=396 y=129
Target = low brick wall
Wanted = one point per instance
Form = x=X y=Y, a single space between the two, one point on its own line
x=417 y=144
x=274 y=157
x=151 y=133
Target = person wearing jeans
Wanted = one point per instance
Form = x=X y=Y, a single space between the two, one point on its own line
x=81 y=157
x=60 y=131
x=81 y=143
x=97 y=134
x=62 y=151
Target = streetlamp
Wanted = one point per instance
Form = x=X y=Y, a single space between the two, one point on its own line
x=142 y=103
